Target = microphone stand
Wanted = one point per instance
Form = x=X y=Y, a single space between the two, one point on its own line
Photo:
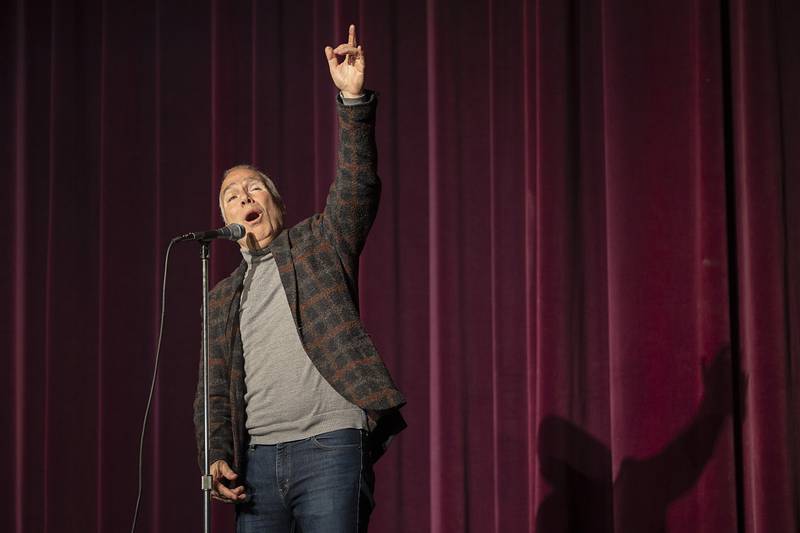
x=206 y=481
x=233 y=232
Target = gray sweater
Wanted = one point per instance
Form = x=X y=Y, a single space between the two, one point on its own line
x=286 y=398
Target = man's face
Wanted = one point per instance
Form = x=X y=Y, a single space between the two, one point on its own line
x=246 y=201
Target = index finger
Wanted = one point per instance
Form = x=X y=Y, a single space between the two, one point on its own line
x=351 y=38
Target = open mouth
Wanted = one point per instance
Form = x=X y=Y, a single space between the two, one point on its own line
x=252 y=216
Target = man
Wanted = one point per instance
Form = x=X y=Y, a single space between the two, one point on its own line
x=300 y=402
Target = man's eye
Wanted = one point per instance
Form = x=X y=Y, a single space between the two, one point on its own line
x=230 y=198
x=255 y=188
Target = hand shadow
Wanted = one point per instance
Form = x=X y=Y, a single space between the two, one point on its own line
x=578 y=466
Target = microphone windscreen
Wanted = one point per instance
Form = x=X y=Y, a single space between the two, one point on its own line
x=237 y=231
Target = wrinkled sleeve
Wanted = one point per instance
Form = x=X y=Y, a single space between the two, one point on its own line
x=353 y=197
x=220 y=430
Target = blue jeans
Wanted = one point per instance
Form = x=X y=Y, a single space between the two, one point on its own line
x=315 y=485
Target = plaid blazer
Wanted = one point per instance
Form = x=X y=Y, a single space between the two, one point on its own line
x=318 y=264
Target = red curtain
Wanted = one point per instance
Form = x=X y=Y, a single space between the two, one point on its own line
x=585 y=272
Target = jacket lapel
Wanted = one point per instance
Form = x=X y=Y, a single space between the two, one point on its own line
x=232 y=320
x=282 y=251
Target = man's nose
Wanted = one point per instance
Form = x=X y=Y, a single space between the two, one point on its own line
x=246 y=199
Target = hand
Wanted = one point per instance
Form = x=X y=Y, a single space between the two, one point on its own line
x=348 y=76
x=220 y=471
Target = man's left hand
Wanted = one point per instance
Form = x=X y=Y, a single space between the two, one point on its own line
x=348 y=76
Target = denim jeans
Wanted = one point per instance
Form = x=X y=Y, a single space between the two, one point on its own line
x=319 y=484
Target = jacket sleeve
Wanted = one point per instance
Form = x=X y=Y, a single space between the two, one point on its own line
x=220 y=430
x=354 y=195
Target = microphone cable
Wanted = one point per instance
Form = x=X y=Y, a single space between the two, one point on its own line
x=153 y=381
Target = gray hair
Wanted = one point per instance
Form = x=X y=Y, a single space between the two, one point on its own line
x=268 y=183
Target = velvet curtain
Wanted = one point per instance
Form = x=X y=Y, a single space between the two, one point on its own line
x=585 y=271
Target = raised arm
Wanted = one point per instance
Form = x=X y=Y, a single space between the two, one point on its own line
x=353 y=197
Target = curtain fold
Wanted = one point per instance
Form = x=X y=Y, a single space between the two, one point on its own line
x=766 y=251
x=584 y=275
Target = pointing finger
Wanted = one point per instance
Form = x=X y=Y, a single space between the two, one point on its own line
x=351 y=37
x=351 y=40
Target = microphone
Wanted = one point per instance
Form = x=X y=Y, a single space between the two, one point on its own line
x=233 y=232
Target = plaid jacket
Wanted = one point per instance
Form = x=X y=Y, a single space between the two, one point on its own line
x=318 y=264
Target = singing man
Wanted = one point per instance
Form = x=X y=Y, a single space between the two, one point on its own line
x=301 y=404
